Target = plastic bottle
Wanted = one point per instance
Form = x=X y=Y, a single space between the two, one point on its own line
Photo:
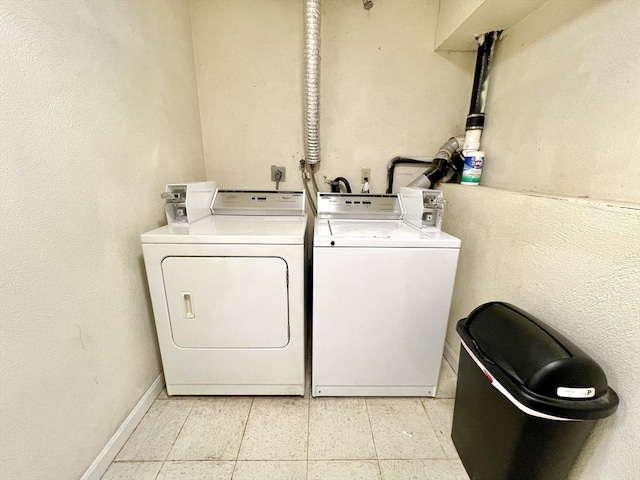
x=472 y=170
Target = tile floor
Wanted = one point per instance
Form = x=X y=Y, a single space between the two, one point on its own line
x=294 y=438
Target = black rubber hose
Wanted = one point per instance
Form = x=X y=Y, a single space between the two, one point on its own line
x=345 y=182
x=436 y=172
x=391 y=168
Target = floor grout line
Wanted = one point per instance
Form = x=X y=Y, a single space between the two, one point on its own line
x=244 y=431
x=363 y=459
x=179 y=432
x=165 y=458
x=423 y=401
x=181 y=427
x=159 y=470
x=115 y=459
x=373 y=438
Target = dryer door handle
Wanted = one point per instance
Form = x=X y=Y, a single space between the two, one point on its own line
x=187 y=305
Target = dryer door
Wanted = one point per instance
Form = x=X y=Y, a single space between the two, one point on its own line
x=227 y=302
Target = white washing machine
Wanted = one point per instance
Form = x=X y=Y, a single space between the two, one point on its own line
x=381 y=296
x=228 y=296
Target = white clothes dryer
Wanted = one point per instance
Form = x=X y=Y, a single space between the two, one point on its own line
x=228 y=296
x=382 y=291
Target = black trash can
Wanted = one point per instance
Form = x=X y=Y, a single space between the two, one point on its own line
x=526 y=399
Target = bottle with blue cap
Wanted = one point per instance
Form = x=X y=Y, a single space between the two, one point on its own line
x=472 y=169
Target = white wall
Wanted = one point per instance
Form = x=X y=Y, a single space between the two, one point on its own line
x=451 y=16
x=461 y=21
x=98 y=111
x=248 y=62
x=384 y=92
x=571 y=263
x=563 y=119
x=563 y=114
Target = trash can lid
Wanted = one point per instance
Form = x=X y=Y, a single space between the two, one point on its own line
x=536 y=364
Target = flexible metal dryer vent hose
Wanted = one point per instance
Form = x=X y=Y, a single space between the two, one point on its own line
x=312 y=80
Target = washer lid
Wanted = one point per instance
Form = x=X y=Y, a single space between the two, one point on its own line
x=378 y=233
x=223 y=229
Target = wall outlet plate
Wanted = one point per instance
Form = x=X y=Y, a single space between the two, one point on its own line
x=365 y=175
x=274 y=173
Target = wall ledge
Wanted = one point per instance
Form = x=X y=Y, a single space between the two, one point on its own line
x=458 y=24
x=621 y=207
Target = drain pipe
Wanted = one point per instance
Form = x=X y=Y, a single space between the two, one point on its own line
x=391 y=168
x=439 y=165
x=475 y=119
x=448 y=152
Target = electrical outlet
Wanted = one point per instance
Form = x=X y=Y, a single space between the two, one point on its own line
x=274 y=173
x=365 y=175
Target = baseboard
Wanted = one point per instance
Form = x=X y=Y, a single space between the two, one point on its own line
x=113 y=446
x=451 y=356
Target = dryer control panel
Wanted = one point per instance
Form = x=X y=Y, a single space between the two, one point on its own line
x=258 y=202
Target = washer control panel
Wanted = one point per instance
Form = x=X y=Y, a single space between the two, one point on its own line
x=359 y=206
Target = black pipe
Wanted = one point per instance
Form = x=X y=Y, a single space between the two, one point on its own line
x=436 y=172
x=475 y=119
x=449 y=154
x=335 y=184
x=391 y=167
x=485 y=50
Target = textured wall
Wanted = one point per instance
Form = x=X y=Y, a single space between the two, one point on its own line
x=574 y=264
x=563 y=118
x=98 y=111
x=248 y=62
x=452 y=14
x=384 y=92
x=563 y=114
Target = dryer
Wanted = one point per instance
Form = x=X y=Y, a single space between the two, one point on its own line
x=228 y=296
x=382 y=290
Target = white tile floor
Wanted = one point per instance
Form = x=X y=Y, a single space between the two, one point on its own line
x=294 y=438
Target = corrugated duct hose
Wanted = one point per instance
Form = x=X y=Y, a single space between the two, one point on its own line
x=311 y=97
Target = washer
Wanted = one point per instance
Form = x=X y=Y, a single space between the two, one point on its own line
x=228 y=296
x=381 y=296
